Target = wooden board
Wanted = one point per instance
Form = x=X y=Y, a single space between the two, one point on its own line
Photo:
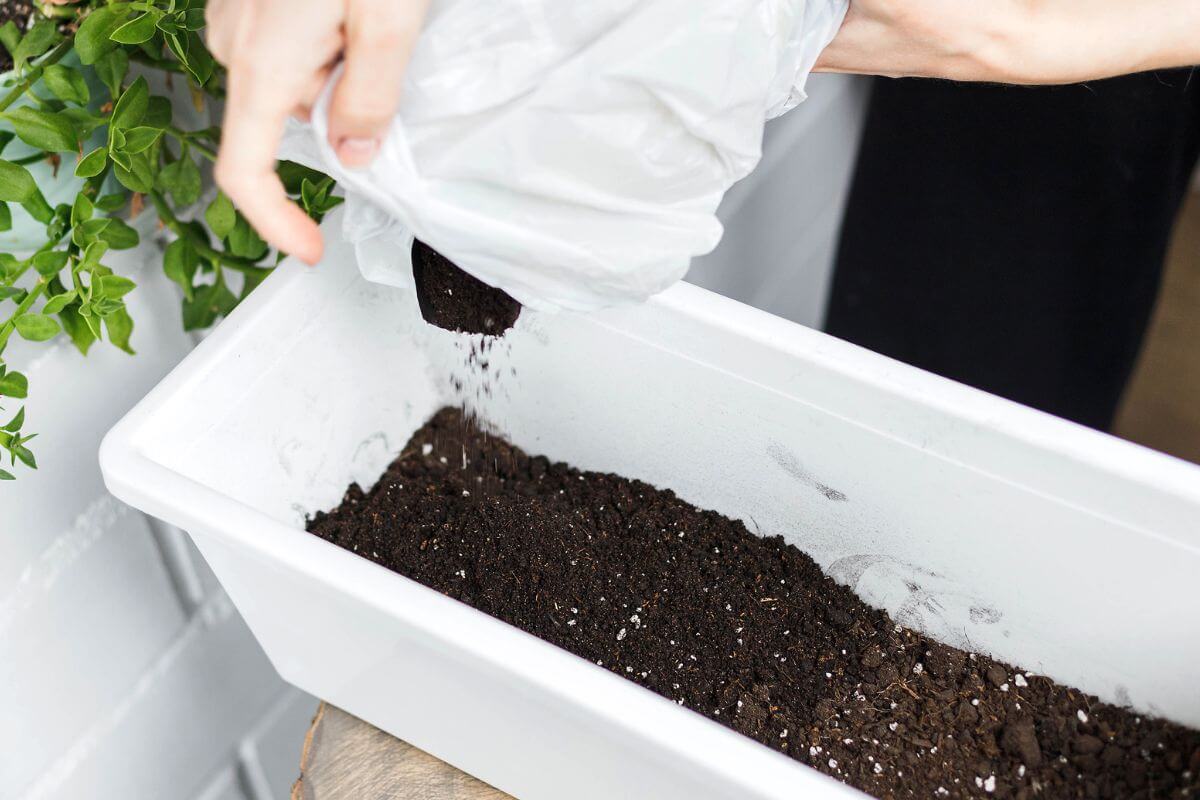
x=344 y=758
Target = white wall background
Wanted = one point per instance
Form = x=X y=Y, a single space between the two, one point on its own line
x=124 y=670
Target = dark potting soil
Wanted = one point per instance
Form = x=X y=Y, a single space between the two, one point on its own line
x=457 y=301
x=743 y=629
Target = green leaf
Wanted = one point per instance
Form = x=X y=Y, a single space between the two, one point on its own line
x=88 y=231
x=114 y=286
x=81 y=335
x=199 y=61
x=137 y=176
x=5 y=475
x=16 y=422
x=10 y=36
x=120 y=327
x=7 y=292
x=92 y=322
x=16 y=184
x=50 y=262
x=111 y=202
x=220 y=216
x=179 y=263
x=37 y=41
x=132 y=105
x=158 y=112
x=120 y=157
x=83 y=209
x=67 y=84
x=140 y=138
x=14 y=384
x=193 y=19
x=103 y=306
x=207 y=305
x=37 y=327
x=93 y=163
x=60 y=301
x=245 y=242
x=112 y=68
x=119 y=235
x=84 y=121
x=92 y=40
x=293 y=175
x=188 y=183
x=45 y=130
x=93 y=253
x=138 y=30
x=5 y=217
x=23 y=453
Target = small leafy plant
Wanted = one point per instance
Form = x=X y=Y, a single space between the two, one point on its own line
x=133 y=152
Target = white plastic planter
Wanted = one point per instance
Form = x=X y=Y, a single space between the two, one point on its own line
x=986 y=524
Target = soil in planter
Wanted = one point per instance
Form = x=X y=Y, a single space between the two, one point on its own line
x=742 y=629
x=457 y=301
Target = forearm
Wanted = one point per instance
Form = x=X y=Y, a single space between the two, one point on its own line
x=1015 y=41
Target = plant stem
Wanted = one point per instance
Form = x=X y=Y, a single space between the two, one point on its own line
x=193 y=140
x=243 y=265
x=32 y=76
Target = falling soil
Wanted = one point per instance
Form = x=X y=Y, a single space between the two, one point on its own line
x=456 y=301
x=743 y=629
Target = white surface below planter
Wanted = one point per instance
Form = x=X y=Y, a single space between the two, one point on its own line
x=983 y=523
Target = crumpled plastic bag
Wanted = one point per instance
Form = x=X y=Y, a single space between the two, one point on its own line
x=572 y=153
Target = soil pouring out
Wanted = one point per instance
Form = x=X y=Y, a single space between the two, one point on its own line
x=452 y=299
x=743 y=629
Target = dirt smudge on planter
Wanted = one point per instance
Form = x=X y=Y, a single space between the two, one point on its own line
x=743 y=629
x=788 y=462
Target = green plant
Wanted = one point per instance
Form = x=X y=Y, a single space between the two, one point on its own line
x=144 y=158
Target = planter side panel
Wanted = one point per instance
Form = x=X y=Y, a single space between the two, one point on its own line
x=502 y=727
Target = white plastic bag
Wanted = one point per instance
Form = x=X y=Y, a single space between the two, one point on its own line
x=573 y=153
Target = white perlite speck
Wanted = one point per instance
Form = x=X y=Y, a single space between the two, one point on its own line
x=989 y=785
x=1020 y=680
x=919 y=668
x=878 y=768
x=1083 y=717
x=426 y=449
x=620 y=634
x=833 y=763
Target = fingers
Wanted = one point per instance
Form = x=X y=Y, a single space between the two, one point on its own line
x=245 y=169
x=220 y=28
x=379 y=40
x=308 y=98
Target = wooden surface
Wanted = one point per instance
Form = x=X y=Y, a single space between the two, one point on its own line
x=1161 y=408
x=344 y=758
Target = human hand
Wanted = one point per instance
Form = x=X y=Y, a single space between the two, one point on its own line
x=279 y=54
x=1014 y=41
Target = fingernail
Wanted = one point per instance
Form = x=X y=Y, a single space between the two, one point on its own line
x=355 y=152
